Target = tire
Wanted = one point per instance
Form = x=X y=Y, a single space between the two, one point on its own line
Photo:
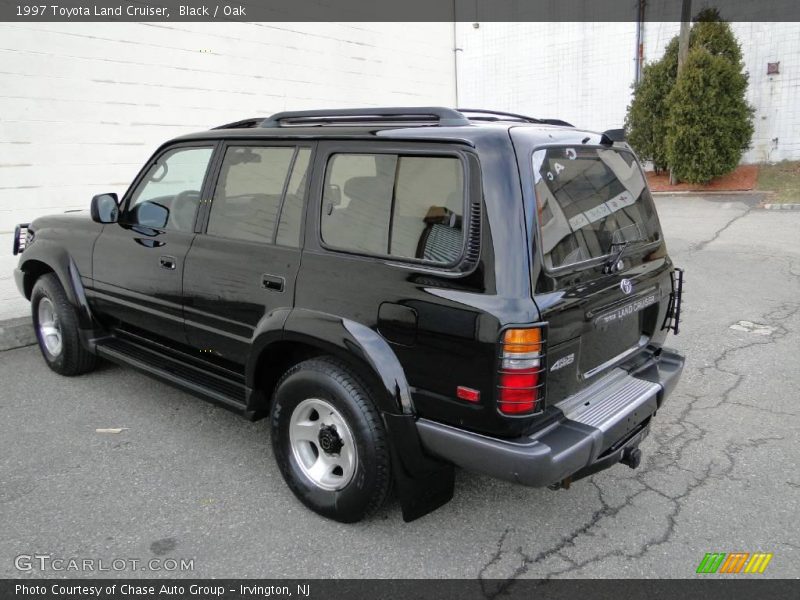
x=56 y=325
x=351 y=479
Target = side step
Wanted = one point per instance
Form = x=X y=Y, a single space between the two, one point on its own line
x=228 y=391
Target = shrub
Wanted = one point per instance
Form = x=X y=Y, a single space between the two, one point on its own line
x=646 y=121
x=710 y=123
x=701 y=124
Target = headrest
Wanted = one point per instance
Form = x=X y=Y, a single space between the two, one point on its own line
x=367 y=188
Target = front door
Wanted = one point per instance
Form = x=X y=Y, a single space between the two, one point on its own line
x=242 y=268
x=139 y=261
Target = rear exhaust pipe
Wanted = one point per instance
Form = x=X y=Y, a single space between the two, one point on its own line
x=631 y=457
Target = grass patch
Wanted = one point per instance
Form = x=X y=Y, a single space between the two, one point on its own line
x=783 y=178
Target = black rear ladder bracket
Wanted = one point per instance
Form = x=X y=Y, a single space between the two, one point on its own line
x=672 y=318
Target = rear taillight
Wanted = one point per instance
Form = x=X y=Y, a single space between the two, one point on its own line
x=520 y=387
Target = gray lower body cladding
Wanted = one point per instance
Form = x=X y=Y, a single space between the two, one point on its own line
x=607 y=416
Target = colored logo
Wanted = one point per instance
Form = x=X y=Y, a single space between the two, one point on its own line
x=734 y=562
x=626 y=285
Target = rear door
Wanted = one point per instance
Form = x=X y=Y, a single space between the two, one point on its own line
x=243 y=266
x=601 y=277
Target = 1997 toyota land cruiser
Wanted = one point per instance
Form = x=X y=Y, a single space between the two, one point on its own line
x=400 y=290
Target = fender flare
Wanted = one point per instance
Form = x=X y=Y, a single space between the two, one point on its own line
x=348 y=339
x=61 y=263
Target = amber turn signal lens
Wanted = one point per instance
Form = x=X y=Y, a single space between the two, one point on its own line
x=522 y=341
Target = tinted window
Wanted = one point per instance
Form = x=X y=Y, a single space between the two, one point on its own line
x=404 y=206
x=248 y=193
x=292 y=211
x=589 y=199
x=169 y=194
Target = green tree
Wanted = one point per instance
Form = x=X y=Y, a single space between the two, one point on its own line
x=646 y=121
x=701 y=124
x=710 y=124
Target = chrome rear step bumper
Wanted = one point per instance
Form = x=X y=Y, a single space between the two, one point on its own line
x=600 y=424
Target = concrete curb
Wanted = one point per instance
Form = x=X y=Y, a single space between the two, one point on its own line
x=781 y=206
x=16 y=333
x=708 y=193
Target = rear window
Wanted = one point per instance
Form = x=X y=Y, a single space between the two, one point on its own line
x=589 y=199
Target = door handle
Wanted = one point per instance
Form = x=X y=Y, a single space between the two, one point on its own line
x=167 y=262
x=272 y=282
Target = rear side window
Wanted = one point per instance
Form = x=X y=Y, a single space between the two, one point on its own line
x=249 y=194
x=588 y=200
x=395 y=205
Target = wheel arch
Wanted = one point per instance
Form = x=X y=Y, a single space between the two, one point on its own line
x=32 y=270
x=44 y=257
x=306 y=334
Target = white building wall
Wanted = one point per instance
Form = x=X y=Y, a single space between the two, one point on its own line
x=582 y=73
x=578 y=72
x=83 y=105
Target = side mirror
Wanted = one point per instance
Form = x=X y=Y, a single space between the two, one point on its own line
x=105 y=208
x=150 y=214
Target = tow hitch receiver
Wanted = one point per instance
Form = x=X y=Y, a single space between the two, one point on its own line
x=631 y=457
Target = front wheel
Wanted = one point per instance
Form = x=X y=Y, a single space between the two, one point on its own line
x=56 y=325
x=329 y=440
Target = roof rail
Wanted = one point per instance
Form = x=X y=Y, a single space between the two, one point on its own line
x=444 y=117
x=492 y=115
x=556 y=122
x=243 y=124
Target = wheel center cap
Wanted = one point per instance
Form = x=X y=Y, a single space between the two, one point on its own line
x=329 y=439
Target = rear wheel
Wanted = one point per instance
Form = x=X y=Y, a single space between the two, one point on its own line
x=329 y=440
x=56 y=325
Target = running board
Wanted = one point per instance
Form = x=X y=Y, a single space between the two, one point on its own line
x=205 y=384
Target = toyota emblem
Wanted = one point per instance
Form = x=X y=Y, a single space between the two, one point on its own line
x=626 y=285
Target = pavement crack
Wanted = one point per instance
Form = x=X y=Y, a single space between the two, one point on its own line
x=701 y=245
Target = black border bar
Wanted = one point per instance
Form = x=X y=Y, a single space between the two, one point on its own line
x=388 y=10
x=725 y=588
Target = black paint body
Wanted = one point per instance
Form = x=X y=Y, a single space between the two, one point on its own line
x=415 y=332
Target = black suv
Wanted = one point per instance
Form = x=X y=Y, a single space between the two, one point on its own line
x=399 y=290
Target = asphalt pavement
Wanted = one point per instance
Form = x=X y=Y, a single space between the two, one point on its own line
x=185 y=480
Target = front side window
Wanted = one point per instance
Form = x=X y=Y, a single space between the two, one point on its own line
x=169 y=194
x=395 y=205
x=590 y=200
x=248 y=193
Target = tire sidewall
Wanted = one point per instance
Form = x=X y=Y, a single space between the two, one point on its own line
x=43 y=289
x=352 y=502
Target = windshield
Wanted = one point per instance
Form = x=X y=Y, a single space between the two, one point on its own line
x=588 y=200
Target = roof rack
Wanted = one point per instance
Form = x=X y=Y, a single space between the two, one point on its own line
x=556 y=122
x=443 y=117
x=243 y=124
x=496 y=115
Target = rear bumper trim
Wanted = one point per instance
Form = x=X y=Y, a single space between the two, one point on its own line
x=595 y=420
